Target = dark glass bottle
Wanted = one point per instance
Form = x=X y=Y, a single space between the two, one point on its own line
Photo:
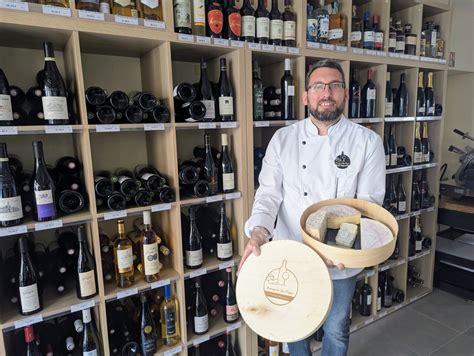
x=247 y=14
x=234 y=22
x=226 y=170
x=417 y=150
x=193 y=248
x=354 y=96
x=215 y=19
x=224 y=241
x=401 y=196
x=201 y=316
x=388 y=97
x=6 y=111
x=429 y=96
x=209 y=167
x=415 y=196
x=369 y=33
x=401 y=98
x=276 y=25
x=287 y=93
x=263 y=22
x=90 y=343
x=204 y=93
x=31 y=347
x=86 y=286
x=257 y=93
x=393 y=147
x=11 y=212
x=420 y=97
x=368 y=97
x=231 y=314
x=148 y=334
x=28 y=283
x=366 y=299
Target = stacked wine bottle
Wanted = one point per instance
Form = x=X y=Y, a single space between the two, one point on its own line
x=218 y=346
x=395 y=156
x=414 y=276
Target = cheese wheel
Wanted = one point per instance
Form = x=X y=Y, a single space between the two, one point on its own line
x=339 y=214
x=346 y=235
x=316 y=225
x=373 y=234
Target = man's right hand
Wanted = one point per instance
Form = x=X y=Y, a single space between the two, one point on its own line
x=258 y=237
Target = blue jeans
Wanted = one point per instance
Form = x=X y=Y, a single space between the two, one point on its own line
x=336 y=327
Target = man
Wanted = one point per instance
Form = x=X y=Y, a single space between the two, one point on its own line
x=322 y=157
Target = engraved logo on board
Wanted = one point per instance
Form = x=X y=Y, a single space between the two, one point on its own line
x=281 y=285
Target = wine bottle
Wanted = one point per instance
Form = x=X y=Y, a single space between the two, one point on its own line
x=386 y=149
x=392 y=37
x=366 y=298
x=387 y=291
x=31 y=348
x=204 y=93
x=90 y=344
x=287 y=93
x=393 y=195
x=17 y=96
x=104 y=114
x=425 y=144
x=401 y=196
x=410 y=40
x=169 y=318
x=393 y=147
x=401 y=98
x=356 y=29
x=11 y=212
x=289 y=25
x=198 y=18
x=86 y=286
x=58 y=259
x=426 y=199
x=133 y=114
x=192 y=111
x=201 y=317
x=200 y=189
x=420 y=97
x=68 y=165
x=54 y=91
x=226 y=174
x=151 y=9
x=231 y=309
x=70 y=201
x=148 y=334
x=257 y=93
x=417 y=150
x=263 y=22
x=209 y=168
x=6 y=111
x=150 y=257
x=225 y=94
x=193 y=247
x=224 y=242
x=118 y=100
x=123 y=251
x=322 y=17
x=379 y=34
x=20 y=117
x=368 y=97
x=379 y=298
x=127 y=184
x=215 y=19
x=182 y=16
x=103 y=186
x=388 y=97
x=429 y=96
x=149 y=177
x=415 y=196
x=354 y=96
x=28 y=284
x=42 y=186
x=95 y=96
x=400 y=37
x=234 y=21
x=418 y=235
x=369 y=33
x=276 y=25
x=247 y=14
x=145 y=101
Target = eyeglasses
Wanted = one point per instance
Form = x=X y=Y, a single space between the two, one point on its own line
x=333 y=86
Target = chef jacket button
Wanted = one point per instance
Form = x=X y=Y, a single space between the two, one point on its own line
x=304 y=142
x=304 y=166
x=305 y=193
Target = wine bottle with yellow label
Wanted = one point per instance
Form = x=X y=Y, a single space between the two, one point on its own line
x=123 y=251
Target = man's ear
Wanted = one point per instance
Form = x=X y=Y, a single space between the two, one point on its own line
x=305 y=98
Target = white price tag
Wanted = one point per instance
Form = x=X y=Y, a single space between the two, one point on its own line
x=160 y=207
x=173 y=351
x=185 y=38
x=127 y=293
x=281 y=49
x=107 y=128
x=381 y=54
x=154 y=24
x=91 y=15
x=314 y=45
x=424 y=59
x=404 y=56
x=261 y=123
x=237 y=44
x=227 y=264
x=370 y=52
x=198 y=273
x=58 y=129
x=341 y=48
x=53 y=224
x=21 y=6
x=293 y=50
x=207 y=125
x=55 y=10
x=81 y=306
x=234 y=326
x=394 y=55
x=8 y=130
x=252 y=45
x=229 y=125
x=127 y=20
x=214 y=198
x=159 y=284
x=201 y=340
x=14 y=230
x=203 y=40
x=357 y=50
x=154 y=127
x=115 y=214
x=373 y=120
x=28 y=321
x=327 y=47
x=235 y=195
x=267 y=47
x=443 y=61
x=221 y=42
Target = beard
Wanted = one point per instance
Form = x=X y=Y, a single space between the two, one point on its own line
x=326 y=116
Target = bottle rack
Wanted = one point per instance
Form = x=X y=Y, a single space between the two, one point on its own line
x=95 y=51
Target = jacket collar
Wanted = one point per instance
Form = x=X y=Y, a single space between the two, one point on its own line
x=311 y=130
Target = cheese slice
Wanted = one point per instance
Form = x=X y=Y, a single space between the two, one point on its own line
x=339 y=214
x=316 y=225
x=346 y=235
x=373 y=234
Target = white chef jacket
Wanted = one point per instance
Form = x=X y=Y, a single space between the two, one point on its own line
x=300 y=168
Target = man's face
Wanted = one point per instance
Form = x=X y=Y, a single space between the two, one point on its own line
x=324 y=103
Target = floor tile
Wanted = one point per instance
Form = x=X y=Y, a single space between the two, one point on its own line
x=459 y=346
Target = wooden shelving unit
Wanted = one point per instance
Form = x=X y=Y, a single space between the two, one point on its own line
x=104 y=51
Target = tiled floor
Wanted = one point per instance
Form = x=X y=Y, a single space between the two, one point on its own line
x=440 y=324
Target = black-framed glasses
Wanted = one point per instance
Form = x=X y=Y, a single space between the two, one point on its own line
x=333 y=86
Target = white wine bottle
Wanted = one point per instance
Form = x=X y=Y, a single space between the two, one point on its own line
x=123 y=248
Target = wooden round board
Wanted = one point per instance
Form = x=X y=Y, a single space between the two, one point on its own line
x=284 y=294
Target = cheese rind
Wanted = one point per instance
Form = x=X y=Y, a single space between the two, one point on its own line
x=316 y=225
x=339 y=214
x=373 y=234
x=346 y=235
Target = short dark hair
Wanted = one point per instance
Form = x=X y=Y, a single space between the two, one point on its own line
x=324 y=63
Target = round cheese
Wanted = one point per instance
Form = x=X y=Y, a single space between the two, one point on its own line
x=338 y=214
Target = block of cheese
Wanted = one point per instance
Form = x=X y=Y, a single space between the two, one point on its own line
x=346 y=235
x=316 y=225
x=339 y=214
x=373 y=234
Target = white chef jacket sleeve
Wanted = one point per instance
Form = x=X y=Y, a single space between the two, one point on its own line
x=269 y=194
x=371 y=180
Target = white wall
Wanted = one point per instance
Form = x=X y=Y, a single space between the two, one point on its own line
x=462 y=34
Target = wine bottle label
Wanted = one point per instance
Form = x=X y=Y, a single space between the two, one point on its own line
x=400 y=46
x=235 y=23
x=433 y=37
x=182 y=13
x=410 y=40
x=356 y=36
x=289 y=30
x=369 y=299
x=426 y=158
x=417 y=157
x=291 y=90
x=125 y=260
x=388 y=108
x=226 y=105
x=371 y=94
x=273 y=350
x=258 y=102
x=210 y=109
x=421 y=109
x=122 y=179
x=312 y=28
x=215 y=19
x=402 y=206
x=89 y=353
x=323 y=27
x=146 y=176
x=387 y=160
x=392 y=43
x=10 y=208
x=55 y=108
x=379 y=39
x=201 y=323
x=104 y=7
x=336 y=33
x=44 y=203
x=224 y=250
x=152 y=4
x=228 y=181
x=123 y=3
x=276 y=29
x=194 y=258
x=199 y=13
x=369 y=36
x=151 y=259
x=418 y=245
x=393 y=159
x=87 y=283
x=431 y=110
x=248 y=26
x=6 y=112
x=232 y=312
x=263 y=27
x=379 y=302
x=29 y=298
x=170 y=322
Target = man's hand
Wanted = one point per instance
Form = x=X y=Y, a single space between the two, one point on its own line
x=330 y=264
x=258 y=237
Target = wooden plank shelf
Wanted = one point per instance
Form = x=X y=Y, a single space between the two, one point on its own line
x=210 y=264
x=128 y=127
x=206 y=125
x=273 y=123
x=210 y=199
x=419 y=255
x=391 y=264
x=400 y=119
x=117 y=214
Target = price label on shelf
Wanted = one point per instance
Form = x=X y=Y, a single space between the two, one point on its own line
x=160 y=207
x=58 y=129
x=237 y=44
x=201 y=340
x=55 y=10
x=107 y=128
x=8 y=130
x=281 y=49
x=154 y=24
x=234 y=195
x=267 y=47
x=173 y=351
x=53 y=224
x=154 y=127
x=381 y=54
x=185 y=38
x=293 y=50
x=214 y=198
x=207 y=125
x=13 y=230
x=341 y=48
x=327 y=47
x=198 y=273
x=229 y=125
x=127 y=293
x=221 y=42
x=159 y=284
x=28 y=321
x=261 y=123
x=91 y=15
x=110 y=215
x=127 y=20
x=357 y=50
x=227 y=264
x=21 y=6
x=81 y=306
x=234 y=326
x=203 y=40
x=370 y=52
x=252 y=45
x=394 y=55
x=314 y=45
